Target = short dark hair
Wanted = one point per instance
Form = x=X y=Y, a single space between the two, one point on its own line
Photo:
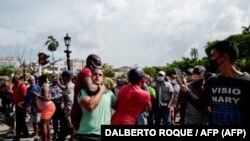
x=42 y=78
x=229 y=48
x=135 y=74
x=67 y=73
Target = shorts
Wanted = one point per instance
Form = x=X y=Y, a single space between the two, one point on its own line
x=48 y=111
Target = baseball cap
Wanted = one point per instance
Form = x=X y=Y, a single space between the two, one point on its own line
x=200 y=70
x=189 y=70
x=66 y=73
x=162 y=73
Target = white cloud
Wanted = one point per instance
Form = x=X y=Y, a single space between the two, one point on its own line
x=122 y=32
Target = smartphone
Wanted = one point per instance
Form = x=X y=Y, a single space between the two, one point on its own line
x=179 y=74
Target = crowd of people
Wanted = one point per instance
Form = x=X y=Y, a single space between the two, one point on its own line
x=78 y=105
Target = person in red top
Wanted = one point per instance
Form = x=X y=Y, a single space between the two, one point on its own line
x=84 y=80
x=19 y=94
x=132 y=100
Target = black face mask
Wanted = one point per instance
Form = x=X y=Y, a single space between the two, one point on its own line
x=214 y=64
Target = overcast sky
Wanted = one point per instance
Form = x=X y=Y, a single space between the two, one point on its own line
x=121 y=32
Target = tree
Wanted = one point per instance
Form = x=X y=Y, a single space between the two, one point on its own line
x=246 y=30
x=52 y=44
x=243 y=42
x=8 y=70
x=194 y=53
x=150 y=71
x=108 y=72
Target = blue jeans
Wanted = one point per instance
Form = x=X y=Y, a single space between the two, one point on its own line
x=143 y=119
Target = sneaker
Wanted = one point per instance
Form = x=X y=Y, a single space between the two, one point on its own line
x=36 y=138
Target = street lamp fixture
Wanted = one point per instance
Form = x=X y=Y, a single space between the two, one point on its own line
x=67 y=41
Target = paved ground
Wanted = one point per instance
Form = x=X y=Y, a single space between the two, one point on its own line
x=3 y=131
x=4 y=128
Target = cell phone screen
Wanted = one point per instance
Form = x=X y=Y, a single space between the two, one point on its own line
x=179 y=74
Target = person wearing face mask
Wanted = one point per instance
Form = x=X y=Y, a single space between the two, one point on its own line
x=164 y=91
x=194 y=115
x=226 y=95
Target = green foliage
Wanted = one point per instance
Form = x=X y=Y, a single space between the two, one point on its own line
x=109 y=73
x=8 y=70
x=151 y=71
x=49 y=76
x=243 y=42
x=52 y=43
x=184 y=64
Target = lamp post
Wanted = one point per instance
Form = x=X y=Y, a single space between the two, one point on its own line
x=67 y=41
x=24 y=70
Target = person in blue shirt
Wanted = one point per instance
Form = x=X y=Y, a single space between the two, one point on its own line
x=31 y=103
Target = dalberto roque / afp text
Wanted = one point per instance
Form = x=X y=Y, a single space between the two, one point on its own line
x=174 y=132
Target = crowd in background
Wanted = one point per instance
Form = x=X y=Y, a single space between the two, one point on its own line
x=77 y=105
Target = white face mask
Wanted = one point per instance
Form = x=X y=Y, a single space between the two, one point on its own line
x=174 y=82
x=160 y=78
x=153 y=84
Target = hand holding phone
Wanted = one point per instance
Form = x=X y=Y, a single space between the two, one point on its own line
x=179 y=74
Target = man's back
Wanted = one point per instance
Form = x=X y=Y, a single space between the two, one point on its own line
x=130 y=103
